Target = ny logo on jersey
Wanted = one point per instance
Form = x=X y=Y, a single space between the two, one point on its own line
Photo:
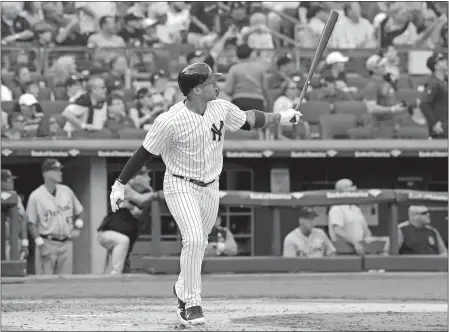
x=217 y=131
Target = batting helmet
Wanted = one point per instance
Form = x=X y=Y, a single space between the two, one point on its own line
x=194 y=75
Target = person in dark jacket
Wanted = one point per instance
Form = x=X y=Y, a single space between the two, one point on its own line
x=434 y=100
x=119 y=231
x=417 y=237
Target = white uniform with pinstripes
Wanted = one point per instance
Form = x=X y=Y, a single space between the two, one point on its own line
x=191 y=145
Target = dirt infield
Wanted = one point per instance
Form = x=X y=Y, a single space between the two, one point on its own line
x=287 y=302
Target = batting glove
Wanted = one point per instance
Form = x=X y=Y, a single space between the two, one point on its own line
x=117 y=196
x=290 y=117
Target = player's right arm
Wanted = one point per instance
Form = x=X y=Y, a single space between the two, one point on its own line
x=289 y=247
x=33 y=219
x=158 y=136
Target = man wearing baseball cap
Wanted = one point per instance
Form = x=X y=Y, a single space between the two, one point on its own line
x=379 y=96
x=54 y=216
x=7 y=185
x=434 y=99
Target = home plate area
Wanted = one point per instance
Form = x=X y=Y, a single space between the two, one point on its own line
x=223 y=315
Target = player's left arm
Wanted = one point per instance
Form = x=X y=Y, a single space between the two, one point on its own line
x=440 y=243
x=77 y=210
x=253 y=119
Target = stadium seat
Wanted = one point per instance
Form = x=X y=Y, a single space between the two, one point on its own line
x=299 y=131
x=54 y=107
x=357 y=108
x=132 y=133
x=410 y=96
x=360 y=133
x=336 y=126
x=356 y=80
x=312 y=110
x=7 y=106
x=100 y=134
x=416 y=132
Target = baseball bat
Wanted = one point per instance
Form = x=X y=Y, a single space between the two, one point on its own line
x=322 y=43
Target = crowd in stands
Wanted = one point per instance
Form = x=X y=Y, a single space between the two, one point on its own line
x=107 y=69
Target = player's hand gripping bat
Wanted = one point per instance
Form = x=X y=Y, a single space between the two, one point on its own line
x=322 y=43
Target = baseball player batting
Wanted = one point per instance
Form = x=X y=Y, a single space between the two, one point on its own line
x=189 y=137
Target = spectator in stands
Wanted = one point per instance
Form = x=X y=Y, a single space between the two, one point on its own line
x=15 y=28
x=275 y=82
x=397 y=28
x=417 y=237
x=89 y=111
x=139 y=9
x=244 y=82
x=178 y=20
x=62 y=69
x=202 y=22
x=16 y=127
x=99 y=62
x=159 y=83
x=352 y=30
x=257 y=35
x=44 y=35
x=318 y=14
x=5 y=121
x=332 y=90
x=307 y=240
x=91 y=12
x=221 y=242
x=119 y=231
x=335 y=66
x=34 y=88
x=22 y=77
x=132 y=31
x=74 y=89
x=6 y=94
x=107 y=36
x=238 y=16
x=431 y=36
x=115 y=79
x=380 y=99
x=32 y=12
x=347 y=222
x=434 y=99
x=145 y=111
x=118 y=118
x=290 y=92
x=28 y=106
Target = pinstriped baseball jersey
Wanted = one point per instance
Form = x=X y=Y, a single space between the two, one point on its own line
x=53 y=215
x=191 y=145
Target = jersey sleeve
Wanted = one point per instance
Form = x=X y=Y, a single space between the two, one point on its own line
x=159 y=135
x=77 y=206
x=289 y=247
x=32 y=213
x=235 y=117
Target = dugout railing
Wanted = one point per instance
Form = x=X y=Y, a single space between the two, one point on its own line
x=157 y=263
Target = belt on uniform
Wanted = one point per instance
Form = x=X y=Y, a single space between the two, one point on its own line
x=55 y=238
x=198 y=183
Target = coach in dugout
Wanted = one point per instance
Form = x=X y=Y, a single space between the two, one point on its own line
x=54 y=220
x=434 y=100
x=307 y=240
x=348 y=224
x=119 y=231
x=417 y=237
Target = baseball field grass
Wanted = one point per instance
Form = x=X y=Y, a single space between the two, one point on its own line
x=234 y=302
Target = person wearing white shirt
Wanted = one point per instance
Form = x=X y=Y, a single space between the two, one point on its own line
x=89 y=13
x=6 y=93
x=352 y=30
x=347 y=222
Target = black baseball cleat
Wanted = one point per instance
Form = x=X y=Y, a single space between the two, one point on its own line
x=195 y=315
x=181 y=312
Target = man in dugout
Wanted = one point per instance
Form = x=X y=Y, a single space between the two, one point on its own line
x=417 y=237
x=434 y=99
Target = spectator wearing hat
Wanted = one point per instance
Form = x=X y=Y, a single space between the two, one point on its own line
x=417 y=237
x=107 y=36
x=352 y=30
x=380 y=99
x=89 y=111
x=221 y=241
x=15 y=28
x=147 y=108
x=348 y=224
x=119 y=231
x=54 y=220
x=307 y=240
x=7 y=185
x=32 y=113
x=335 y=66
x=434 y=99
x=118 y=118
x=44 y=35
x=132 y=31
x=245 y=81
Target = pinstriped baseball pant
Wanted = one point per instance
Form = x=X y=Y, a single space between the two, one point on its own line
x=194 y=209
